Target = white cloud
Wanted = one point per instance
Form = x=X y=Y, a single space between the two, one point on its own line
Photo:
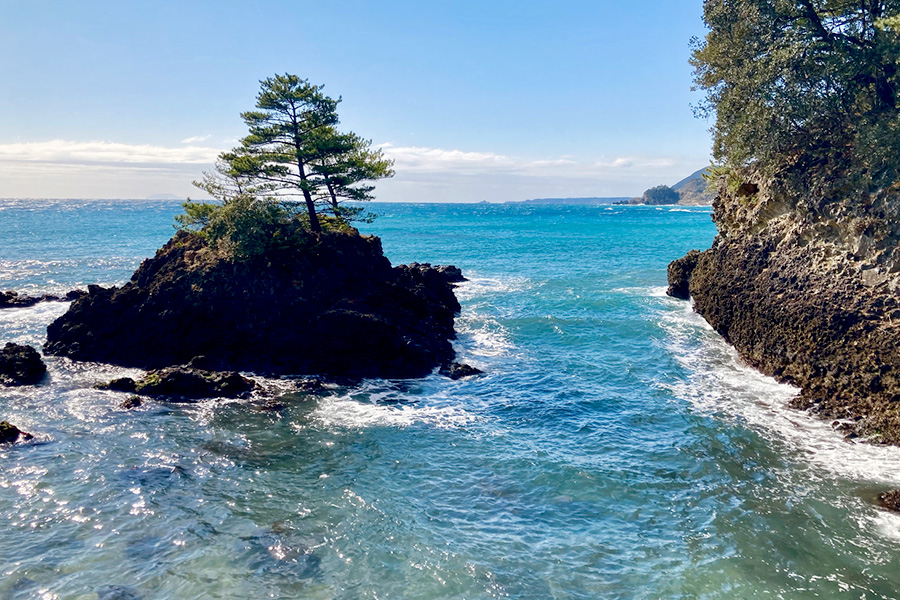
x=102 y=169
x=196 y=138
x=414 y=158
x=66 y=152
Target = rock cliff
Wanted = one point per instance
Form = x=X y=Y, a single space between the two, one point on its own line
x=333 y=305
x=806 y=289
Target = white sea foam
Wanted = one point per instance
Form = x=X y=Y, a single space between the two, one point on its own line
x=720 y=383
x=482 y=337
x=481 y=286
x=28 y=325
x=345 y=412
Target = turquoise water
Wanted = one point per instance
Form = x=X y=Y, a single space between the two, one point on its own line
x=615 y=447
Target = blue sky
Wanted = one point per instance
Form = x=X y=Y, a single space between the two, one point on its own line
x=475 y=100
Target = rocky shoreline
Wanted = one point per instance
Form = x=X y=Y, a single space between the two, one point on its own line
x=807 y=291
x=331 y=307
x=11 y=299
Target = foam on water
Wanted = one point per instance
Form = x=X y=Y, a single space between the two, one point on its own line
x=348 y=411
x=614 y=448
x=720 y=383
x=477 y=286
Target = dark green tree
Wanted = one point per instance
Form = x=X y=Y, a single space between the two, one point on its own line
x=276 y=154
x=806 y=89
x=347 y=164
x=661 y=194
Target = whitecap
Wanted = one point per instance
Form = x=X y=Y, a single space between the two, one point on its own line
x=481 y=286
x=721 y=384
x=345 y=412
x=481 y=336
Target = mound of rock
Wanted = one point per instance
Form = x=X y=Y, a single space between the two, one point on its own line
x=185 y=383
x=10 y=434
x=808 y=291
x=20 y=365
x=333 y=306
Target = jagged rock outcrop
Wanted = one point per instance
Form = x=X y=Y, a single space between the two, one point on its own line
x=458 y=371
x=807 y=291
x=13 y=299
x=330 y=305
x=10 y=434
x=20 y=365
x=679 y=274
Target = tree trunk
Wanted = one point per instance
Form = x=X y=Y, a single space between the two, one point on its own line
x=310 y=205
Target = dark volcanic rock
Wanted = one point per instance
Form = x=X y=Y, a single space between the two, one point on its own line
x=336 y=307
x=807 y=291
x=131 y=402
x=679 y=273
x=20 y=365
x=458 y=370
x=9 y=433
x=122 y=384
x=890 y=500
x=15 y=300
x=192 y=384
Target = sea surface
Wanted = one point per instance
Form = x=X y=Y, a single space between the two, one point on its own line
x=615 y=447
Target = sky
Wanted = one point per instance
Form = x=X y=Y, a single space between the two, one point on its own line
x=496 y=100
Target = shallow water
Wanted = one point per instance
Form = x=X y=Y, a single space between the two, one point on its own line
x=615 y=447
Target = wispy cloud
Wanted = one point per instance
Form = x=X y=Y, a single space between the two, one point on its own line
x=195 y=139
x=436 y=160
x=103 y=169
x=67 y=152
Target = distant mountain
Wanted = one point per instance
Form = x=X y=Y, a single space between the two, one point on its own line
x=694 y=190
x=570 y=201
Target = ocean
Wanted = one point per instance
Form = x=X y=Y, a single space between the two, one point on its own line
x=615 y=447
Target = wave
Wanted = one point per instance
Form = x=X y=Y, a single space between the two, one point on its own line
x=721 y=384
x=348 y=412
x=480 y=286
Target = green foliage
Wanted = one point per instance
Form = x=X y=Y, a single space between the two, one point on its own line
x=804 y=89
x=661 y=194
x=197 y=216
x=293 y=150
x=246 y=227
x=345 y=162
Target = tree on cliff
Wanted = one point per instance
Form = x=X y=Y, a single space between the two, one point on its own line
x=293 y=150
x=806 y=88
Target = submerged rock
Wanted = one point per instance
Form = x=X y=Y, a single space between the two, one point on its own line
x=131 y=402
x=20 y=365
x=194 y=384
x=808 y=291
x=116 y=592
x=458 y=370
x=9 y=433
x=332 y=305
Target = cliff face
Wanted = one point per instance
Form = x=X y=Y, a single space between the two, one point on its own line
x=807 y=291
x=334 y=306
